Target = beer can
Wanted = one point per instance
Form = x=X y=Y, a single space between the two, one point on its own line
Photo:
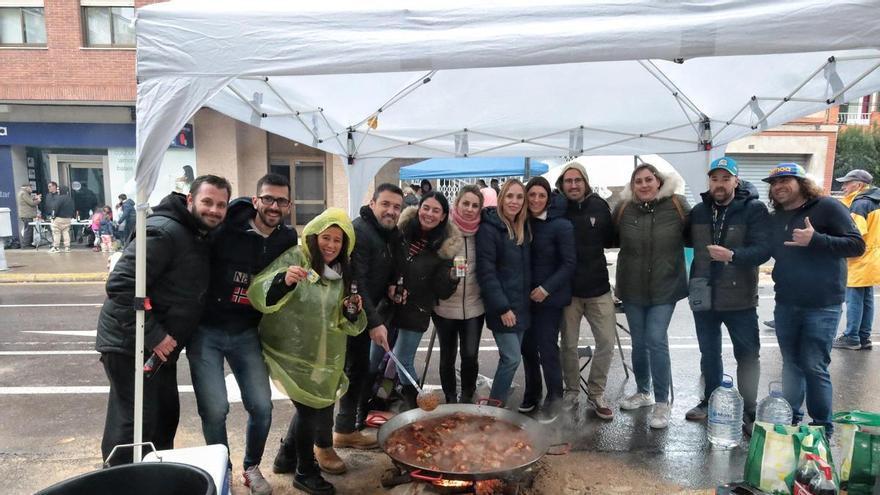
x=460 y=263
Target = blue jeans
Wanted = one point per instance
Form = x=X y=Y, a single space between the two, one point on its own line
x=650 y=347
x=859 y=313
x=405 y=348
x=805 y=336
x=509 y=344
x=540 y=351
x=242 y=350
x=742 y=326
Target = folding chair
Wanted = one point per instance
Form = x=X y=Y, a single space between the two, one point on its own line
x=586 y=352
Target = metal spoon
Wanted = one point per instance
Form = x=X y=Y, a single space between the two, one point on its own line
x=426 y=400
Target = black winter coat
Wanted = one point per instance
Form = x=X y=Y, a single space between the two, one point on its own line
x=553 y=258
x=178 y=255
x=373 y=264
x=744 y=229
x=504 y=273
x=813 y=276
x=238 y=253
x=427 y=275
x=59 y=206
x=593 y=233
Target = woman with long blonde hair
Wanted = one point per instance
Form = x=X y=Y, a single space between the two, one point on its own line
x=504 y=275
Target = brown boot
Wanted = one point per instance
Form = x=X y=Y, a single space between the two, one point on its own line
x=365 y=439
x=329 y=460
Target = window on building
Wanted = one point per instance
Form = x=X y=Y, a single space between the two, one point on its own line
x=22 y=26
x=108 y=26
x=308 y=194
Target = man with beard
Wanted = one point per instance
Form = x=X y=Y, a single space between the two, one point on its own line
x=810 y=238
x=253 y=236
x=178 y=254
x=728 y=229
x=374 y=269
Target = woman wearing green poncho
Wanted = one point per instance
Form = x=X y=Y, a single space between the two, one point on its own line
x=308 y=313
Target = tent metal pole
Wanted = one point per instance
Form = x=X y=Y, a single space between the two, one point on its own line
x=140 y=292
x=527 y=168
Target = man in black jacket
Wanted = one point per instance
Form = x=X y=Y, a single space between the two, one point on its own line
x=252 y=236
x=58 y=206
x=178 y=273
x=810 y=238
x=728 y=230
x=591 y=291
x=372 y=263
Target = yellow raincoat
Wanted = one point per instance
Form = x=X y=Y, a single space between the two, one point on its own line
x=304 y=334
x=864 y=271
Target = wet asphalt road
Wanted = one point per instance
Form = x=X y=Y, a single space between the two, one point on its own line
x=53 y=394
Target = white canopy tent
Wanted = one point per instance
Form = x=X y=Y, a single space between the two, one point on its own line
x=373 y=81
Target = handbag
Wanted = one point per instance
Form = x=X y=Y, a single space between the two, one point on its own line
x=859 y=434
x=775 y=452
x=700 y=294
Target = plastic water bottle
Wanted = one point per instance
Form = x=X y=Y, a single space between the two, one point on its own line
x=774 y=409
x=725 y=415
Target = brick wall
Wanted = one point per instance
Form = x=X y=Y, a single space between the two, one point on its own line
x=65 y=70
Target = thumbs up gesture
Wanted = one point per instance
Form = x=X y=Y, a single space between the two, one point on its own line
x=802 y=237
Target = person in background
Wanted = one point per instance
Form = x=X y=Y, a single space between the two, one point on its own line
x=504 y=274
x=481 y=184
x=863 y=272
x=553 y=263
x=428 y=244
x=459 y=318
x=28 y=210
x=728 y=230
x=309 y=311
x=59 y=207
x=413 y=195
x=810 y=235
x=651 y=221
x=252 y=236
x=178 y=254
x=494 y=185
x=490 y=197
x=127 y=218
x=425 y=187
x=590 y=288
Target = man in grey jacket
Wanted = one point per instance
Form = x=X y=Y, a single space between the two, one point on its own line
x=27 y=203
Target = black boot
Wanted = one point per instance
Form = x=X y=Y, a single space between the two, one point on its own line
x=313 y=483
x=409 y=394
x=285 y=459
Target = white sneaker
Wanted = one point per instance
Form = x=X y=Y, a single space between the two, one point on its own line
x=636 y=401
x=67 y=250
x=660 y=415
x=254 y=480
x=54 y=249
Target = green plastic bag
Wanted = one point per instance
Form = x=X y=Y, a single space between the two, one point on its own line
x=859 y=434
x=776 y=450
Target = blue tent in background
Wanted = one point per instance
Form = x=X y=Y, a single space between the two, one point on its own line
x=453 y=168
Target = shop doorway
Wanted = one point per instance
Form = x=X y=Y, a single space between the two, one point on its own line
x=87 y=178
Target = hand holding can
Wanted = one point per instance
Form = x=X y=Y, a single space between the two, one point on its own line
x=460 y=264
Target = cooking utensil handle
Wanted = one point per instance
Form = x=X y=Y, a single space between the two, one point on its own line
x=405 y=373
x=375 y=420
x=559 y=449
x=417 y=474
x=488 y=401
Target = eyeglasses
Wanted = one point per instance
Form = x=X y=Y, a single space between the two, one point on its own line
x=576 y=180
x=281 y=202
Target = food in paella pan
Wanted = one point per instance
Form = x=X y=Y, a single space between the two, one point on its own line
x=461 y=443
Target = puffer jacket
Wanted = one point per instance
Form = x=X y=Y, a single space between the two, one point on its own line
x=373 y=263
x=553 y=258
x=744 y=230
x=427 y=275
x=650 y=265
x=466 y=302
x=864 y=206
x=238 y=253
x=178 y=255
x=504 y=273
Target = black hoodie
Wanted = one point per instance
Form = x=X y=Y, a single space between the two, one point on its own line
x=238 y=252
x=742 y=227
x=178 y=253
x=813 y=276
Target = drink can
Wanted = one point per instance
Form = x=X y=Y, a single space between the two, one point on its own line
x=460 y=263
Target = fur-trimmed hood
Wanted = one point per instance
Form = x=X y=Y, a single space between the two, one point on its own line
x=672 y=181
x=450 y=242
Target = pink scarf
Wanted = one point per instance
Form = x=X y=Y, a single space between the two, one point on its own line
x=463 y=225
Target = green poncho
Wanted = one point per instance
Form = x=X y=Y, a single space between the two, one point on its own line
x=304 y=334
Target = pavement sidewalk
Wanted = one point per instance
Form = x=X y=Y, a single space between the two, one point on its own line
x=81 y=264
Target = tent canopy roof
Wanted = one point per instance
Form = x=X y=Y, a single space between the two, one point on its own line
x=450 y=168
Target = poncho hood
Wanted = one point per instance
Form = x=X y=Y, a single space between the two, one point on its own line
x=329 y=218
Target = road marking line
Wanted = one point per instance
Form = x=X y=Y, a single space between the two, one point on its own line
x=78 y=333
x=44 y=353
x=80 y=390
x=59 y=305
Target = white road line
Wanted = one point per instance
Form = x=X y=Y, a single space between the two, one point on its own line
x=44 y=353
x=78 y=333
x=57 y=305
x=69 y=390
